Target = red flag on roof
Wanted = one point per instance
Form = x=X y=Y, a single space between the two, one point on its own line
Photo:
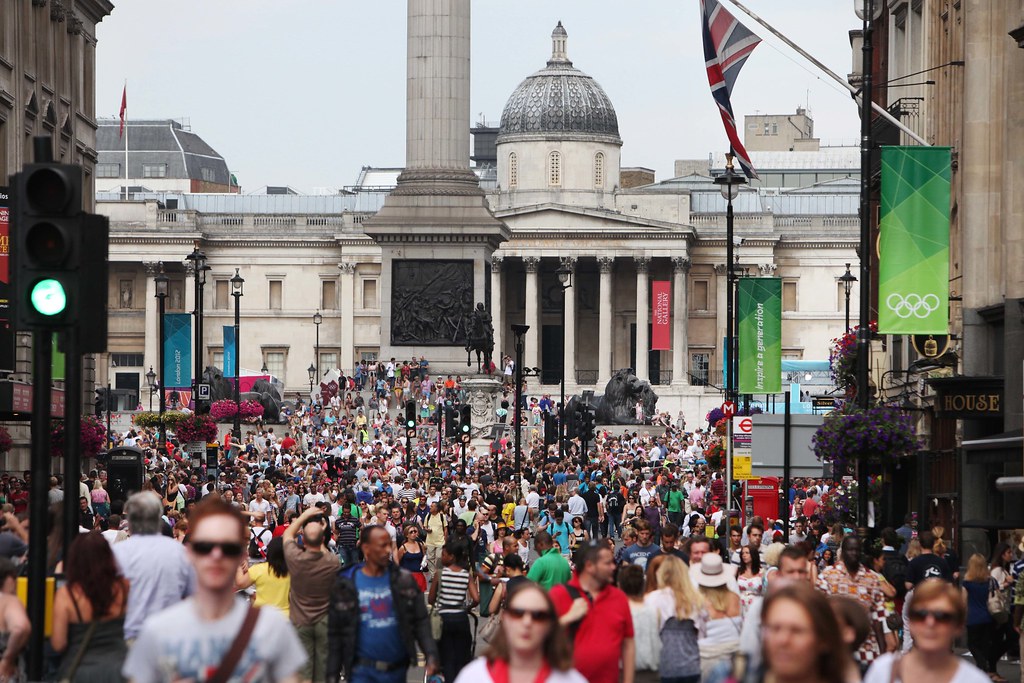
x=124 y=109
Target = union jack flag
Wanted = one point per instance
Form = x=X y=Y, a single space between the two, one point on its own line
x=727 y=44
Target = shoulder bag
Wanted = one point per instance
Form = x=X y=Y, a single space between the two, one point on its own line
x=238 y=645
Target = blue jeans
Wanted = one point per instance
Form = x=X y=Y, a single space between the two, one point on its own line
x=364 y=674
x=593 y=527
x=614 y=521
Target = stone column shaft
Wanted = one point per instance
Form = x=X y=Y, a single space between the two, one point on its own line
x=643 y=297
x=532 y=354
x=680 y=315
x=497 y=316
x=604 y=343
x=152 y=331
x=569 y=331
x=346 y=357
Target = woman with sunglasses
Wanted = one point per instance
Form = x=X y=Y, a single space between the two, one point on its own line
x=529 y=647
x=936 y=617
x=578 y=536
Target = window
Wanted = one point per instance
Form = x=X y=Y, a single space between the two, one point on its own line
x=699 y=296
x=554 y=169
x=513 y=171
x=329 y=295
x=221 y=294
x=108 y=170
x=275 y=295
x=369 y=294
x=328 y=361
x=368 y=356
x=218 y=361
x=207 y=174
x=154 y=170
x=274 y=361
x=789 y=302
x=767 y=128
x=699 y=366
x=775 y=129
x=599 y=170
x=126 y=360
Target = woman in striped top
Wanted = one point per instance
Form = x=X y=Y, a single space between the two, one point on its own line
x=452 y=592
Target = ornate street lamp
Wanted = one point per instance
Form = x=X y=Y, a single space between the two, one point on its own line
x=197 y=263
x=317 y=320
x=847 y=279
x=236 y=291
x=151 y=383
x=729 y=183
x=564 y=274
x=162 y=283
x=312 y=378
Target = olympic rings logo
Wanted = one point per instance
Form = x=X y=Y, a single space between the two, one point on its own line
x=912 y=305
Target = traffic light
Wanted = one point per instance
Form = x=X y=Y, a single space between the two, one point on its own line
x=466 y=423
x=101 y=402
x=550 y=429
x=588 y=424
x=59 y=255
x=574 y=422
x=451 y=423
x=410 y=419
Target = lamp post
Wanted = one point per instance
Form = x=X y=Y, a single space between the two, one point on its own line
x=162 y=283
x=151 y=383
x=236 y=291
x=197 y=260
x=868 y=11
x=564 y=274
x=519 y=331
x=847 y=279
x=317 y=320
x=312 y=377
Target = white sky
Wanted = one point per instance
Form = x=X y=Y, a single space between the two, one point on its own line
x=306 y=92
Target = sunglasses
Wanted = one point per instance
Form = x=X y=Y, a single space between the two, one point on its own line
x=939 y=616
x=227 y=548
x=536 y=615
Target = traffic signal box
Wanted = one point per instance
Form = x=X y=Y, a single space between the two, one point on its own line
x=410 y=419
x=59 y=256
x=465 y=426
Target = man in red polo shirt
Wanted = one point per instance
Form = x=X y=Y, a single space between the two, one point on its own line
x=596 y=615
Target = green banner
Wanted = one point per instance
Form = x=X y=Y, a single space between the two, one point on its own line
x=760 y=335
x=56 y=360
x=913 y=268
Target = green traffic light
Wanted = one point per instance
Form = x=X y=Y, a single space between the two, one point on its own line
x=48 y=297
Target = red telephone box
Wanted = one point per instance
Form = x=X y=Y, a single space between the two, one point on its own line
x=764 y=495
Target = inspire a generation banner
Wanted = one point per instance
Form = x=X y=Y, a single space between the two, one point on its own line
x=760 y=335
x=913 y=268
x=177 y=343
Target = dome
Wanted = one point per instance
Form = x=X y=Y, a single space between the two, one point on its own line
x=559 y=100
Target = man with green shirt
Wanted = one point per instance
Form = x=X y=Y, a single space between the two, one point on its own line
x=674 y=504
x=550 y=569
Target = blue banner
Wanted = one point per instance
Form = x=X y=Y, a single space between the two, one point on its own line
x=177 y=350
x=229 y=351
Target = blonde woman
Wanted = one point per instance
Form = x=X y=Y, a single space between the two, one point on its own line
x=678 y=605
x=100 y=499
x=981 y=627
x=721 y=633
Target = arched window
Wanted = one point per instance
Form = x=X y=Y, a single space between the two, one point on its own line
x=554 y=169
x=599 y=170
x=513 y=171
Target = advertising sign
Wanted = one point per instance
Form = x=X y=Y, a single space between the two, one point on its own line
x=760 y=335
x=913 y=267
x=177 y=343
x=229 y=351
x=6 y=313
x=661 y=315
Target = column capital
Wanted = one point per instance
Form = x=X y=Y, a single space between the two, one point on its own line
x=347 y=268
x=767 y=268
x=681 y=265
x=189 y=269
x=643 y=263
x=569 y=262
x=152 y=268
x=719 y=269
x=496 y=261
x=606 y=263
x=532 y=263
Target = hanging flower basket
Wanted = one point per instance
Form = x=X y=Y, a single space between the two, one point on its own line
x=6 y=442
x=150 y=419
x=841 y=503
x=92 y=438
x=842 y=360
x=882 y=434
x=224 y=409
x=196 y=428
x=251 y=411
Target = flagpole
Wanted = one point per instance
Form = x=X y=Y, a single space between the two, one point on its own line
x=836 y=77
x=124 y=97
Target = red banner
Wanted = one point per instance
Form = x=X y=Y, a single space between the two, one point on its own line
x=661 y=315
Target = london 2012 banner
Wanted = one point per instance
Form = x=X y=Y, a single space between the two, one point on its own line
x=760 y=335
x=913 y=268
x=177 y=350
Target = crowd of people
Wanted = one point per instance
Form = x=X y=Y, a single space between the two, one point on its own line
x=322 y=549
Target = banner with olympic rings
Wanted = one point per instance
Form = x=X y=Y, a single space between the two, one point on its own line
x=759 y=305
x=913 y=268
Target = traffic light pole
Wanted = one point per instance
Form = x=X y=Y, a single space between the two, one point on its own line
x=72 y=434
x=109 y=441
x=38 y=513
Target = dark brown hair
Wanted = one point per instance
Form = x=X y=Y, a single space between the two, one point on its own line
x=854 y=615
x=556 y=644
x=826 y=628
x=213 y=506
x=90 y=565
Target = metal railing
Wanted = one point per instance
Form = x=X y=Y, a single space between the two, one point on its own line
x=586 y=377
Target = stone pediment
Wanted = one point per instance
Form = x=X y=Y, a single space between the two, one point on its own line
x=562 y=217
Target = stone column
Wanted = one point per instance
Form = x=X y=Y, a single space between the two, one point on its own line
x=532 y=356
x=604 y=339
x=437 y=93
x=643 y=296
x=569 y=332
x=721 y=314
x=347 y=352
x=497 y=317
x=680 y=315
x=152 y=331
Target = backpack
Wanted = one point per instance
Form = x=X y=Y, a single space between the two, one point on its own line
x=257 y=548
x=895 y=572
x=613 y=502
